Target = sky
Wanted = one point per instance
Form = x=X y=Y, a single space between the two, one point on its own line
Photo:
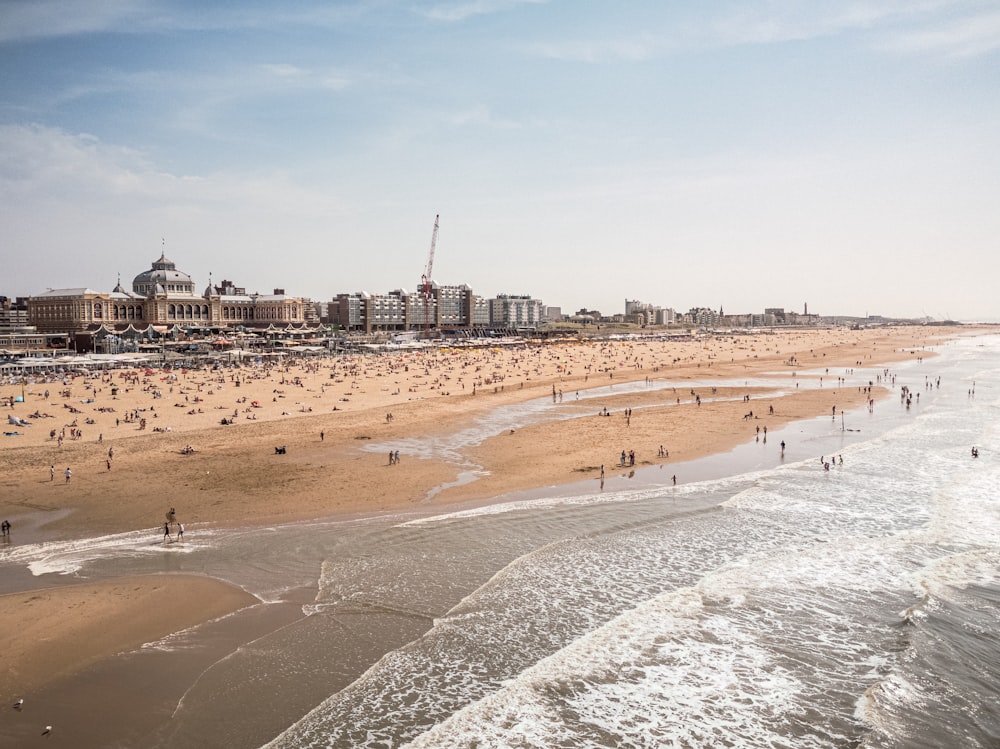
x=839 y=154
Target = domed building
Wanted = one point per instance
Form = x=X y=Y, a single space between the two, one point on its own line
x=163 y=278
x=163 y=300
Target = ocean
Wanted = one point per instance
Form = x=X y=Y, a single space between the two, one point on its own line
x=763 y=601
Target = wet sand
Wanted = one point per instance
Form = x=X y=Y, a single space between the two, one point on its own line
x=101 y=620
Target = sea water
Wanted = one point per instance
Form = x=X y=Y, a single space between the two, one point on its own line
x=855 y=606
x=785 y=606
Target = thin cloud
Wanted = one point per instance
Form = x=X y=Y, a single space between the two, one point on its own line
x=49 y=162
x=283 y=70
x=795 y=21
x=629 y=49
x=483 y=117
x=306 y=78
x=966 y=37
x=777 y=23
x=460 y=11
x=40 y=19
x=52 y=18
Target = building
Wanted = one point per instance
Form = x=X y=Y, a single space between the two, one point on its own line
x=163 y=298
x=362 y=312
x=704 y=317
x=516 y=311
x=644 y=314
x=17 y=337
x=13 y=313
x=445 y=308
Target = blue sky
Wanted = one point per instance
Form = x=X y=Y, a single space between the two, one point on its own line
x=736 y=154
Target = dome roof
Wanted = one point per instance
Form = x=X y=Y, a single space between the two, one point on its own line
x=163 y=277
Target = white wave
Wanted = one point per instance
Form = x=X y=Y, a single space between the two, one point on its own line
x=69 y=557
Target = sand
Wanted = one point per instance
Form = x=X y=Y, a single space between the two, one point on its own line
x=325 y=411
x=99 y=620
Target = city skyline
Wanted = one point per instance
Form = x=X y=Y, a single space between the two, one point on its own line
x=749 y=156
x=220 y=287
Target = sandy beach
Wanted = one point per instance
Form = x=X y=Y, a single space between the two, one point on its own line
x=124 y=435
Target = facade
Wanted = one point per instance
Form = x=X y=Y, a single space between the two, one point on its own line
x=362 y=312
x=453 y=305
x=480 y=312
x=704 y=317
x=448 y=307
x=162 y=296
x=13 y=313
x=642 y=313
x=516 y=311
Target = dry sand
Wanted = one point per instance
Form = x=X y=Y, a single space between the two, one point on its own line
x=234 y=476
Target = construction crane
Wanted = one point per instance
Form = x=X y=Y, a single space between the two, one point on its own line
x=426 y=289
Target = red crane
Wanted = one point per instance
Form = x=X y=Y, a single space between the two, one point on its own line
x=426 y=289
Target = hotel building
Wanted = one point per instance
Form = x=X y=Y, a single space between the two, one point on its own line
x=163 y=300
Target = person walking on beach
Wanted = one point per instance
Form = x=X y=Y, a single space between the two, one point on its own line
x=396 y=457
x=5 y=528
x=69 y=474
x=180 y=531
x=52 y=472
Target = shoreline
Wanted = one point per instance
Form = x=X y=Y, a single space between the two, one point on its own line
x=367 y=485
x=108 y=618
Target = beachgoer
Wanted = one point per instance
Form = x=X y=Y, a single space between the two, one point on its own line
x=396 y=457
x=166 y=531
x=52 y=473
x=180 y=531
x=69 y=475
